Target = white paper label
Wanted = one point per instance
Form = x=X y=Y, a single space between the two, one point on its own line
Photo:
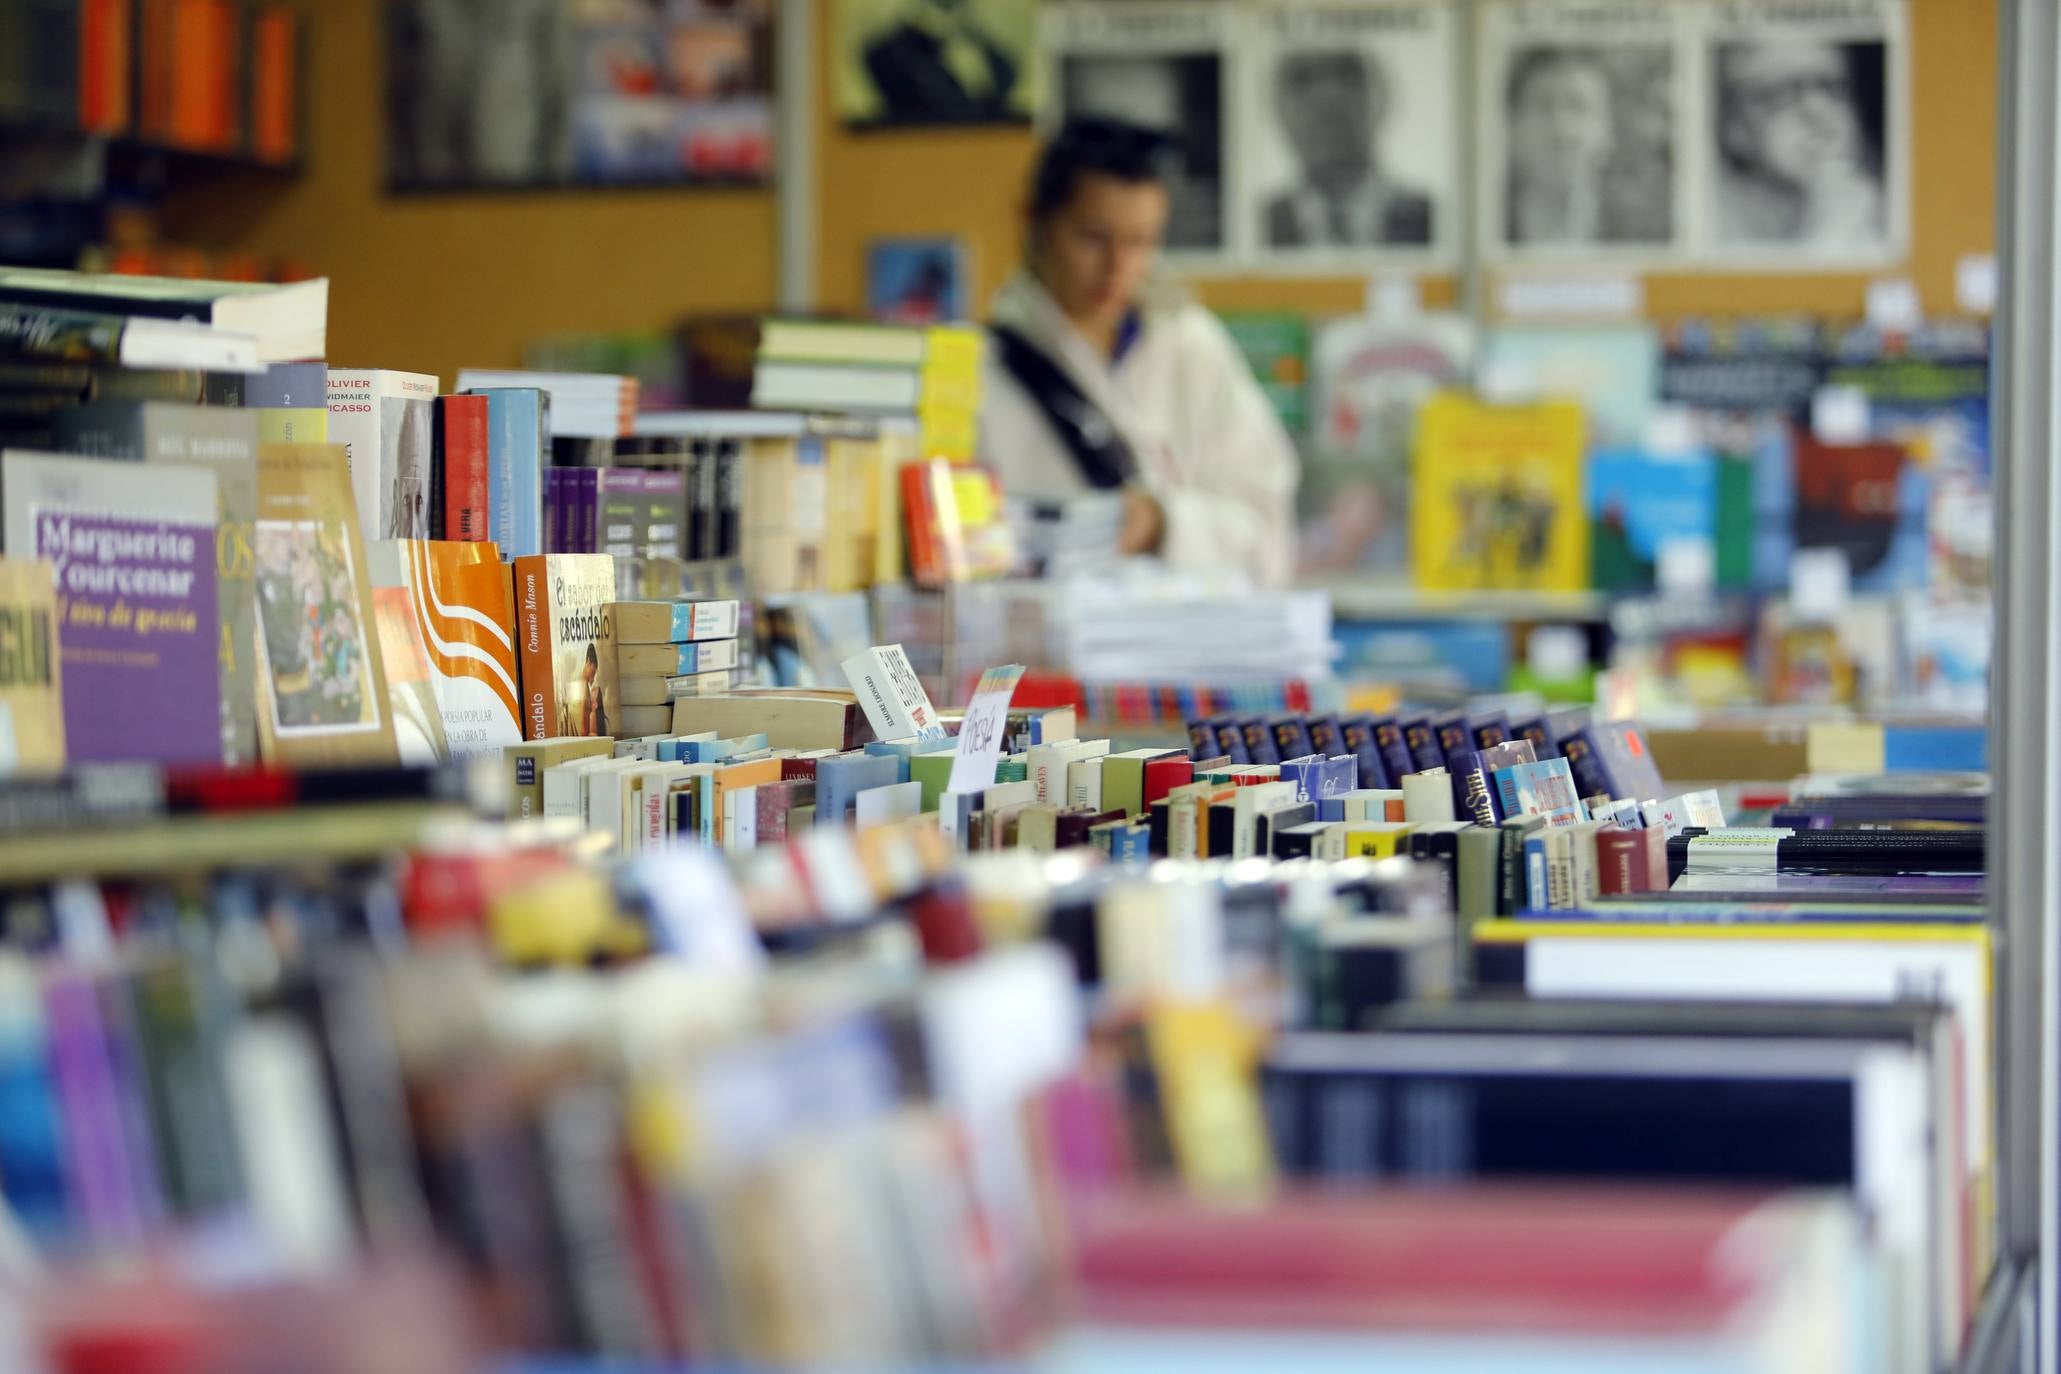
x=1564 y=297
x=1394 y=298
x=1820 y=580
x=1975 y=283
x=1840 y=415
x=891 y=694
x=1686 y=566
x=1671 y=432
x=980 y=734
x=10 y=747
x=1893 y=304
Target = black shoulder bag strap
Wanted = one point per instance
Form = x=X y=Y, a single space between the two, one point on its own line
x=1101 y=454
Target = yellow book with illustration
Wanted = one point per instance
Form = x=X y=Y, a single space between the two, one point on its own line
x=1498 y=497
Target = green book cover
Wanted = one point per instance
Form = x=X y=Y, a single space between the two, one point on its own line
x=1276 y=346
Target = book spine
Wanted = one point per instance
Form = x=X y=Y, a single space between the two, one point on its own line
x=729 y=499
x=63 y=335
x=439 y=461
x=533 y=643
x=462 y=435
x=1537 y=891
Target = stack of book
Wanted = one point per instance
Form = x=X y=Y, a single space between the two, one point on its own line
x=822 y=365
x=591 y=405
x=655 y=652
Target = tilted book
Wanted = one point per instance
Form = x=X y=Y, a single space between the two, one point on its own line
x=321 y=682
x=133 y=550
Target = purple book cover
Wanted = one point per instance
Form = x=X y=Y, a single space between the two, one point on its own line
x=139 y=617
x=140 y=638
x=100 y=1176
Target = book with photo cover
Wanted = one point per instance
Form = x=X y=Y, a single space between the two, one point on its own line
x=558 y=603
x=386 y=421
x=133 y=548
x=1498 y=497
x=321 y=683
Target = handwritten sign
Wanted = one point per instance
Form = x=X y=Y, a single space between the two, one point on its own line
x=980 y=735
x=891 y=694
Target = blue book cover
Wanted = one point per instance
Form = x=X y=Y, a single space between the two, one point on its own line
x=1292 y=737
x=518 y=452
x=1451 y=732
x=1337 y=775
x=1627 y=763
x=1474 y=789
x=1547 y=789
x=1640 y=501
x=1490 y=730
x=1131 y=844
x=1259 y=740
x=1394 y=748
x=1303 y=773
x=1423 y=745
x=1331 y=808
x=1579 y=749
x=1532 y=729
x=1202 y=739
x=1535 y=888
x=1230 y=739
x=898 y=749
x=1326 y=736
x=1505 y=780
x=1356 y=734
x=841 y=777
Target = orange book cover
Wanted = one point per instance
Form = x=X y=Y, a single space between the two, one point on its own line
x=105 y=79
x=275 y=85
x=154 y=62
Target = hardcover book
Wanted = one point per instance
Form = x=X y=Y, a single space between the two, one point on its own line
x=461 y=451
x=224 y=441
x=386 y=422
x=321 y=697
x=518 y=452
x=558 y=603
x=31 y=681
x=133 y=551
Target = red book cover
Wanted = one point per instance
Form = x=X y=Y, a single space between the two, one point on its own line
x=462 y=422
x=1621 y=860
x=1164 y=775
x=797 y=770
x=105 y=49
x=154 y=59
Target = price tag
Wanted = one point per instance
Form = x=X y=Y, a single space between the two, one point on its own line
x=891 y=694
x=980 y=735
x=1893 y=305
x=1393 y=299
x=1820 y=581
x=1840 y=415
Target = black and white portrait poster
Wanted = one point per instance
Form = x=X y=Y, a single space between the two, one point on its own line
x=1352 y=130
x=1806 y=144
x=1580 y=118
x=546 y=93
x=1159 y=63
x=909 y=63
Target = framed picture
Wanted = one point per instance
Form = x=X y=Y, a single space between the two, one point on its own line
x=537 y=94
x=912 y=63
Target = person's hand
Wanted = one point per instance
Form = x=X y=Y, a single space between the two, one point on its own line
x=1144 y=523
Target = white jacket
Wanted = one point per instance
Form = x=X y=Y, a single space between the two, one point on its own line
x=1209 y=446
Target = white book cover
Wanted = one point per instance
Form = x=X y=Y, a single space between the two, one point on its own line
x=386 y=420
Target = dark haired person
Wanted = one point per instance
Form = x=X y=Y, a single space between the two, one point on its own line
x=1799 y=161
x=1105 y=378
x=1566 y=181
x=1333 y=105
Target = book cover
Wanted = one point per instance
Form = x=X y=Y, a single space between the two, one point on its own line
x=321 y=697
x=558 y=603
x=224 y=441
x=1498 y=497
x=418 y=725
x=31 y=672
x=291 y=401
x=1868 y=501
x=457 y=596
x=386 y=422
x=138 y=611
x=671 y=622
x=1370 y=379
x=518 y=455
x=1546 y=789
x=461 y=431
x=1394 y=748
x=1642 y=502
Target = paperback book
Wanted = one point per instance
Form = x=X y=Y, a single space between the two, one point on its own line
x=31 y=681
x=558 y=605
x=321 y=698
x=133 y=552
x=386 y=422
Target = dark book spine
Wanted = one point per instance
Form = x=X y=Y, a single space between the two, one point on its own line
x=729 y=541
x=1579 y=749
x=701 y=500
x=439 y=462
x=1159 y=814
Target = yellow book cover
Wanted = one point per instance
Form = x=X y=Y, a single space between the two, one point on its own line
x=1207 y=1057
x=1498 y=497
x=31 y=683
x=1383 y=841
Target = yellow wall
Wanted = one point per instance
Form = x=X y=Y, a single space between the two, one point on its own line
x=440 y=282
